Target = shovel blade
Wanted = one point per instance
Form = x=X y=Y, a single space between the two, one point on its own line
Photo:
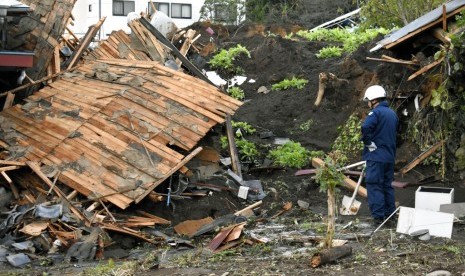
x=348 y=209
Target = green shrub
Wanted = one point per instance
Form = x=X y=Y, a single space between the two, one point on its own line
x=291 y=154
x=236 y=92
x=349 y=139
x=289 y=83
x=329 y=52
x=225 y=59
x=248 y=129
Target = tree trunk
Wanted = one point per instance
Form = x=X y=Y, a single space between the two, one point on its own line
x=331 y=216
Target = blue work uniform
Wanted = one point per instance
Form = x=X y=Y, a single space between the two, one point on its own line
x=380 y=127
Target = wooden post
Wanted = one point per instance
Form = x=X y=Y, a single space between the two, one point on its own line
x=236 y=164
x=444 y=18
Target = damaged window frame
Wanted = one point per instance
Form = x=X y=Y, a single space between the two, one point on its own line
x=127 y=7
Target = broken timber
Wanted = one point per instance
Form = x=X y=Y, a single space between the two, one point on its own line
x=103 y=147
x=348 y=183
x=421 y=157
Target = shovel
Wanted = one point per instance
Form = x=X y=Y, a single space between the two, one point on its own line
x=350 y=205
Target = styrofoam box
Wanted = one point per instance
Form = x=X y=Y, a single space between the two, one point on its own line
x=431 y=198
x=439 y=224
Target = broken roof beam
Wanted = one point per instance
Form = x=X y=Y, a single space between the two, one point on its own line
x=425 y=69
x=421 y=157
x=191 y=67
x=84 y=44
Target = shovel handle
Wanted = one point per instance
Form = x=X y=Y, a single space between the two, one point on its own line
x=356 y=187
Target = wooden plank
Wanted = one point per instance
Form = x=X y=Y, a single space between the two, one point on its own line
x=12 y=163
x=10 y=97
x=403 y=62
x=235 y=162
x=425 y=69
x=84 y=43
x=421 y=157
x=11 y=184
x=165 y=41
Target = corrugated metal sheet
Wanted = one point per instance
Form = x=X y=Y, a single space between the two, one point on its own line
x=110 y=126
x=419 y=23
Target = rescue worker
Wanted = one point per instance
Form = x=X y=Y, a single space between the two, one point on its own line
x=379 y=132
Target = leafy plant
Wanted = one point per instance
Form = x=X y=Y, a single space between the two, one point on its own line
x=290 y=83
x=225 y=59
x=349 y=138
x=247 y=150
x=248 y=129
x=329 y=52
x=305 y=126
x=291 y=154
x=349 y=38
x=236 y=92
x=328 y=176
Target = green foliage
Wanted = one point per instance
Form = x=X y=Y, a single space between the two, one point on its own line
x=329 y=52
x=391 y=13
x=100 y=269
x=247 y=150
x=349 y=39
x=236 y=92
x=243 y=126
x=291 y=154
x=290 y=83
x=328 y=176
x=225 y=59
x=305 y=126
x=348 y=140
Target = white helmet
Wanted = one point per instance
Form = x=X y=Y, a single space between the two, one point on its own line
x=374 y=92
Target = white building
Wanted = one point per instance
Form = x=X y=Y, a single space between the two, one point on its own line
x=88 y=12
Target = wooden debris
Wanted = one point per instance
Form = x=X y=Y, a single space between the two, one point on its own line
x=190 y=227
x=13 y=188
x=393 y=60
x=425 y=69
x=330 y=255
x=348 y=183
x=34 y=228
x=83 y=44
x=188 y=40
x=421 y=157
x=229 y=233
x=235 y=162
x=287 y=206
x=248 y=208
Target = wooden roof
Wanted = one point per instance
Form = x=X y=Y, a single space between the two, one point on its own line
x=109 y=126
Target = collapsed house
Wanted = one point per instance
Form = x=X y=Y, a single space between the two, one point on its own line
x=110 y=124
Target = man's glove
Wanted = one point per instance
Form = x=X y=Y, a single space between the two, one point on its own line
x=371 y=147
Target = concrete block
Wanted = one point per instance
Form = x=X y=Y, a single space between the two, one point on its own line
x=411 y=219
x=458 y=209
x=431 y=198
